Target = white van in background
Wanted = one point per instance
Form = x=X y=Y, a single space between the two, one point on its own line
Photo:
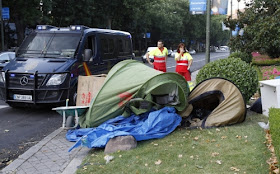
x=151 y=57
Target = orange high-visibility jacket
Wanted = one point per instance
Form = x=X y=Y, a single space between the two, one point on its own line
x=159 y=57
x=183 y=63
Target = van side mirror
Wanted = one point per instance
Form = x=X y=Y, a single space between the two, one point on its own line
x=87 y=55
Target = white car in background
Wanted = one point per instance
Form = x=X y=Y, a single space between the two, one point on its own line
x=192 y=52
x=175 y=51
x=151 y=57
x=224 y=48
x=5 y=58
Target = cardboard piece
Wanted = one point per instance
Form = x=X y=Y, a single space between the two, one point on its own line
x=88 y=87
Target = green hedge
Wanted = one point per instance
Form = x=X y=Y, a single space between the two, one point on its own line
x=243 y=75
x=242 y=55
x=274 y=124
x=265 y=61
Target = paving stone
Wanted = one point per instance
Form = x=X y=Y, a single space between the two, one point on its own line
x=29 y=170
x=20 y=172
x=27 y=165
x=40 y=166
x=55 y=169
x=33 y=159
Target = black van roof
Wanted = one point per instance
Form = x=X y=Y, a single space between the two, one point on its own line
x=107 y=31
x=80 y=28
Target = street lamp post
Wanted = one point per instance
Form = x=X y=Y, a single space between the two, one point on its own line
x=208 y=18
x=2 y=28
x=231 y=19
x=238 y=8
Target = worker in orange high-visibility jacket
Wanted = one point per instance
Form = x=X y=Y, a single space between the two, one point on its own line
x=183 y=61
x=160 y=56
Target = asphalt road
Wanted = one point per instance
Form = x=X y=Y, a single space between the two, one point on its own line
x=198 y=60
x=22 y=128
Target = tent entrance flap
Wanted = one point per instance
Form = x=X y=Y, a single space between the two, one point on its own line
x=203 y=105
x=208 y=100
x=166 y=94
x=163 y=95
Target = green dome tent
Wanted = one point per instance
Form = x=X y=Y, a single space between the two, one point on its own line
x=132 y=86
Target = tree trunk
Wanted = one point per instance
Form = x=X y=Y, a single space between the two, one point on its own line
x=20 y=30
x=109 y=23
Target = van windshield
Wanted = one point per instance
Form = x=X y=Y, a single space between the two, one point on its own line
x=50 y=45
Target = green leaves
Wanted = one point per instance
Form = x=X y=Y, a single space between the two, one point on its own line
x=247 y=57
x=261 y=28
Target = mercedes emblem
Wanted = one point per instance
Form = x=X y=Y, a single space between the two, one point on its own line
x=23 y=81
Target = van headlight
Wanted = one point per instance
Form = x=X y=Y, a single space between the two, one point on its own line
x=56 y=79
x=2 y=77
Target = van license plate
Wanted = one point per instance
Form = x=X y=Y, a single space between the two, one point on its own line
x=22 y=97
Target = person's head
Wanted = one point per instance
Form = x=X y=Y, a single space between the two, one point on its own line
x=183 y=46
x=160 y=44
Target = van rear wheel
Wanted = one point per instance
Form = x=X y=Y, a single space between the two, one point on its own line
x=143 y=60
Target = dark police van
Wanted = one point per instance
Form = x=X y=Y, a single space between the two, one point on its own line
x=50 y=59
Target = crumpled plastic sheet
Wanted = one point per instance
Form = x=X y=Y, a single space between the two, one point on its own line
x=152 y=125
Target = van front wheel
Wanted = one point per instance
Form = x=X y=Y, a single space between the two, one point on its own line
x=70 y=121
x=73 y=96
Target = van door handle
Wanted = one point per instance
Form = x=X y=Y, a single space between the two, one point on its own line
x=102 y=63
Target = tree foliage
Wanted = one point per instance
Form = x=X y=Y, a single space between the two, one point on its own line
x=261 y=28
x=165 y=19
x=24 y=13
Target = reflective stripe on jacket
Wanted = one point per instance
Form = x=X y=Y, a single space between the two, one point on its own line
x=182 y=66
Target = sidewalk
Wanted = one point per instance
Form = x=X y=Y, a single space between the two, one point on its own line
x=51 y=156
x=48 y=156
x=193 y=75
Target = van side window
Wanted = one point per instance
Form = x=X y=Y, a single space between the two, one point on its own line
x=111 y=45
x=120 y=43
x=127 y=46
x=104 y=46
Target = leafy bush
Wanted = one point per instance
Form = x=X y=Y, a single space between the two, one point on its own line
x=247 y=57
x=240 y=73
x=274 y=125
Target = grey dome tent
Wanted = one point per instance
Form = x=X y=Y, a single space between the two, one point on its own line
x=214 y=102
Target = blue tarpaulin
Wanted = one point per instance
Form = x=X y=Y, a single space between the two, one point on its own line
x=156 y=124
